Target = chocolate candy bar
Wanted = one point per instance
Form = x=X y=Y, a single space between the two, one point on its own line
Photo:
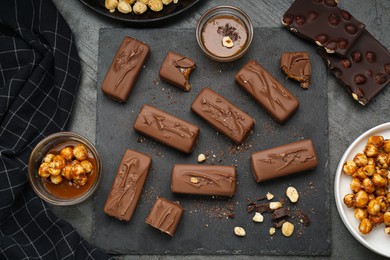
x=223 y=115
x=167 y=129
x=125 y=68
x=165 y=215
x=176 y=69
x=323 y=22
x=284 y=160
x=365 y=69
x=127 y=186
x=297 y=66
x=267 y=91
x=204 y=179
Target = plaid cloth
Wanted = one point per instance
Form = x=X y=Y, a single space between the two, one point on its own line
x=39 y=74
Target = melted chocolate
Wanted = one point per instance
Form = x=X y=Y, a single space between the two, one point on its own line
x=297 y=66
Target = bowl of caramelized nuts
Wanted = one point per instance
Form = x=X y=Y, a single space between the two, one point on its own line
x=64 y=169
x=362 y=189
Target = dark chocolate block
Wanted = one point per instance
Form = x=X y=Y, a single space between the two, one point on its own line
x=204 y=179
x=223 y=115
x=284 y=160
x=297 y=66
x=127 y=186
x=267 y=91
x=324 y=23
x=125 y=69
x=176 y=70
x=167 y=129
x=165 y=215
x=365 y=69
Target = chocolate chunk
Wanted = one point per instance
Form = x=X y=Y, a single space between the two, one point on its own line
x=176 y=69
x=304 y=219
x=127 y=186
x=329 y=26
x=280 y=213
x=267 y=91
x=167 y=129
x=284 y=160
x=363 y=69
x=279 y=223
x=125 y=69
x=204 y=179
x=223 y=115
x=297 y=67
x=165 y=215
x=261 y=208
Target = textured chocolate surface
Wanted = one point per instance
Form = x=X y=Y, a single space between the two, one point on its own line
x=223 y=115
x=365 y=69
x=280 y=103
x=323 y=22
x=167 y=129
x=284 y=160
x=165 y=215
x=176 y=70
x=125 y=68
x=127 y=187
x=204 y=179
x=297 y=66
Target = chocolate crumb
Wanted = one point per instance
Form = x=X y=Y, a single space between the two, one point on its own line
x=281 y=213
x=228 y=30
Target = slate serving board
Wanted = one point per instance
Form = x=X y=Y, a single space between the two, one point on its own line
x=205 y=227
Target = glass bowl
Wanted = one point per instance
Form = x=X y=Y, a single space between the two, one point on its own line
x=227 y=12
x=52 y=193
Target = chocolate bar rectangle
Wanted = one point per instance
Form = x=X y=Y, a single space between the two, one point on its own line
x=167 y=129
x=223 y=115
x=176 y=70
x=284 y=160
x=204 y=179
x=365 y=69
x=165 y=215
x=127 y=186
x=324 y=23
x=267 y=91
x=125 y=69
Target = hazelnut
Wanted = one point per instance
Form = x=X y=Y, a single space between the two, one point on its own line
x=321 y=39
x=227 y=42
x=345 y=15
x=365 y=226
x=80 y=179
x=275 y=205
x=111 y=4
x=48 y=158
x=166 y=2
x=67 y=153
x=360 y=79
x=380 y=78
x=376 y=140
x=287 y=229
x=80 y=152
x=87 y=165
x=342 y=43
x=356 y=56
x=66 y=172
x=155 y=5
x=239 y=231
x=292 y=194
x=56 y=179
x=124 y=7
x=139 y=8
x=361 y=199
x=387 y=230
x=370 y=56
x=287 y=19
x=269 y=196
x=300 y=20
x=58 y=162
x=334 y=19
x=201 y=158
x=258 y=217
x=272 y=231
x=312 y=16
x=53 y=171
x=386 y=218
x=43 y=170
x=351 y=29
x=360 y=214
x=349 y=200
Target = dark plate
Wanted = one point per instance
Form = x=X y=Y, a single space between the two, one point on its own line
x=149 y=17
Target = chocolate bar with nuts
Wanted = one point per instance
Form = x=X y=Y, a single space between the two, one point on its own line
x=125 y=69
x=297 y=66
x=364 y=71
x=176 y=70
x=127 y=186
x=167 y=129
x=267 y=91
x=284 y=160
x=204 y=179
x=223 y=115
x=323 y=22
x=165 y=215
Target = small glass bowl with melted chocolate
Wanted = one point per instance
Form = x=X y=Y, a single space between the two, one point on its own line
x=66 y=192
x=224 y=33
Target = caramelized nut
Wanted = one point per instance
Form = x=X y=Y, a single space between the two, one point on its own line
x=80 y=152
x=43 y=170
x=365 y=226
x=67 y=153
x=87 y=165
x=48 y=158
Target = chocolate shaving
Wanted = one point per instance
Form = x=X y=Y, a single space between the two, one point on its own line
x=279 y=224
x=280 y=213
x=261 y=208
x=304 y=218
x=250 y=208
x=261 y=198
x=228 y=30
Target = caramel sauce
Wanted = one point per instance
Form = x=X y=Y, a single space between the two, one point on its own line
x=212 y=35
x=67 y=189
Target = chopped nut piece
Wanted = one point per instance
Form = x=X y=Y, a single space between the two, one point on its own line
x=194 y=180
x=287 y=229
x=227 y=42
x=239 y=231
x=292 y=194
x=270 y=196
x=275 y=205
x=201 y=158
x=272 y=231
x=387 y=230
x=258 y=217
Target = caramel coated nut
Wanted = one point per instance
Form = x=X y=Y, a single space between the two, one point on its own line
x=201 y=158
x=292 y=194
x=387 y=230
x=258 y=217
x=269 y=196
x=272 y=231
x=287 y=229
x=275 y=205
x=239 y=231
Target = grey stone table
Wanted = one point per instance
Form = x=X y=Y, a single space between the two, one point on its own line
x=346 y=119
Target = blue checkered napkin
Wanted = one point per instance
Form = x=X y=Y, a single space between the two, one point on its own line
x=39 y=74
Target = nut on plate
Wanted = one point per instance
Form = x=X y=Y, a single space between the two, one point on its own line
x=239 y=231
x=292 y=194
x=287 y=229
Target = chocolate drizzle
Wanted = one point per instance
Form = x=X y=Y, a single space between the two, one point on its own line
x=207 y=179
x=125 y=62
x=288 y=157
